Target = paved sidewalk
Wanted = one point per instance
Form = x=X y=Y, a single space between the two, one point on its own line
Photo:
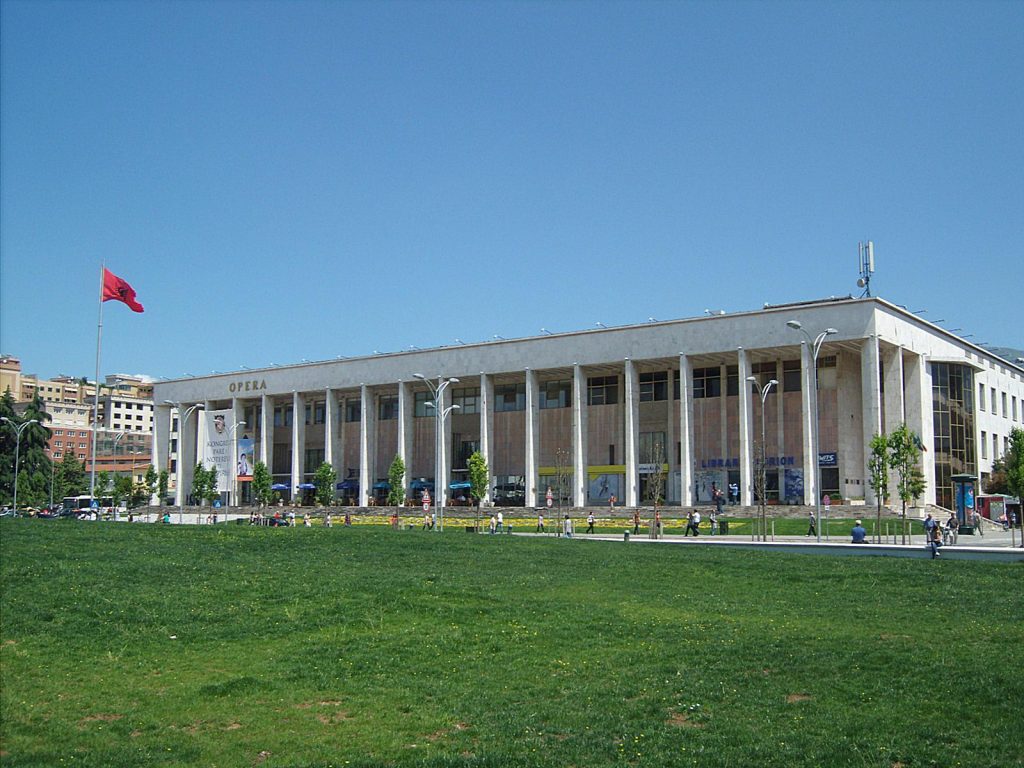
x=993 y=546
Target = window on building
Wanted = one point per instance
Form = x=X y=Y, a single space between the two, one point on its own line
x=556 y=394
x=995 y=446
x=353 y=410
x=652 y=448
x=59 y=443
x=707 y=382
x=1005 y=411
x=319 y=411
x=420 y=400
x=282 y=415
x=1013 y=402
x=764 y=372
x=791 y=376
x=992 y=398
x=509 y=397
x=653 y=386
x=56 y=454
x=314 y=458
x=981 y=397
x=675 y=385
x=984 y=444
x=732 y=380
x=387 y=408
x=174 y=445
x=1006 y=445
x=603 y=390
x=467 y=398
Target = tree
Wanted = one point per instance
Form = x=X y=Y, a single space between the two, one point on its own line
x=150 y=482
x=212 y=492
x=261 y=482
x=161 y=485
x=122 y=490
x=103 y=483
x=1014 y=460
x=29 y=453
x=204 y=484
x=396 y=477
x=324 y=480
x=878 y=475
x=71 y=474
x=479 y=477
x=904 y=453
x=656 y=479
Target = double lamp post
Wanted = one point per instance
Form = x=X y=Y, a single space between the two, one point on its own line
x=440 y=414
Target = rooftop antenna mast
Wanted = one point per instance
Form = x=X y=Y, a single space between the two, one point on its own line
x=866 y=252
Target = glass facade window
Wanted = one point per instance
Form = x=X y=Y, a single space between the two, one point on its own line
x=314 y=458
x=791 y=376
x=732 y=380
x=509 y=397
x=353 y=409
x=764 y=372
x=652 y=448
x=675 y=385
x=319 y=411
x=387 y=408
x=653 y=386
x=419 y=404
x=707 y=382
x=282 y=415
x=602 y=390
x=467 y=398
x=556 y=394
x=954 y=424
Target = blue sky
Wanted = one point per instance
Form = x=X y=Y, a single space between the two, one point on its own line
x=296 y=180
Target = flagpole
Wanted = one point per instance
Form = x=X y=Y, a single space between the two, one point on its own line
x=96 y=396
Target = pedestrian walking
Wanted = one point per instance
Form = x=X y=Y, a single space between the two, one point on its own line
x=976 y=522
x=636 y=521
x=714 y=522
x=494 y=524
x=590 y=523
x=501 y=521
x=567 y=527
x=540 y=522
x=952 y=528
x=812 y=528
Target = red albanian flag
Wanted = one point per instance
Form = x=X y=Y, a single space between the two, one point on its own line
x=114 y=288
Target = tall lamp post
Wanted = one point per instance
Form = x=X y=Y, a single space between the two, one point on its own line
x=18 y=429
x=764 y=390
x=815 y=343
x=440 y=413
x=182 y=421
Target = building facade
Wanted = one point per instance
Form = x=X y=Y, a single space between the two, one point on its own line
x=605 y=413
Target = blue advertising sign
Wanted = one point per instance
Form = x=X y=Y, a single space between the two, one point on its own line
x=828 y=459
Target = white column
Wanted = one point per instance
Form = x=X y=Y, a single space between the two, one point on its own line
x=330 y=409
x=298 y=440
x=161 y=441
x=487 y=426
x=532 y=395
x=871 y=403
x=237 y=415
x=919 y=408
x=579 y=437
x=267 y=432
x=746 y=454
x=188 y=438
x=365 y=414
x=631 y=435
x=405 y=408
x=807 y=421
x=686 y=478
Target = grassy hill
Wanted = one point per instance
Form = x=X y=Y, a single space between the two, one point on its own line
x=129 y=645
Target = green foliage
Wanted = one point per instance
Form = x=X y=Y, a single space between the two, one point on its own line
x=1013 y=460
x=34 y=467
x=71 y=476
x=904 y=453
x=150 y=482
x=479 y=476
x=162 y=483
x=261 y=482
x=103 y=484
x=122 y=489
x=204 y=484
x=491 y=651
x=324 y=480
x=878 y=467
x=396 y=477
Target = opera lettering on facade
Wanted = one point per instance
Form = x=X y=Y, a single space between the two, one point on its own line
x=249 y=385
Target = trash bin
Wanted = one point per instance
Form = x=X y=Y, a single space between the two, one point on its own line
x=625 y=536
x=723 y=527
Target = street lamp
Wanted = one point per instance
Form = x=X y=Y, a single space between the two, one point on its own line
x=182 y=420
x=764 y=484
x=815 y=343
x=440 y=413
x=18 y=429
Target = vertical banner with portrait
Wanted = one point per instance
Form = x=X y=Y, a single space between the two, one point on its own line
x=244 y=449
x=216 y=442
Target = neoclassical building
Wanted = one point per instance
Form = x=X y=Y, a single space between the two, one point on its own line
x=606 y=412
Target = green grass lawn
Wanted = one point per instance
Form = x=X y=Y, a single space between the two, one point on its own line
x=138 y=645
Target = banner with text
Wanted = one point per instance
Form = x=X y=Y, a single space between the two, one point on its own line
x=216 y=442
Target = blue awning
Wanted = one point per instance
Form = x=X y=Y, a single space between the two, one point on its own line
x=419 y=485
x=463 y=486
x=279 y=487
x=348 y=485
x=382 y=486
x=307 y=487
